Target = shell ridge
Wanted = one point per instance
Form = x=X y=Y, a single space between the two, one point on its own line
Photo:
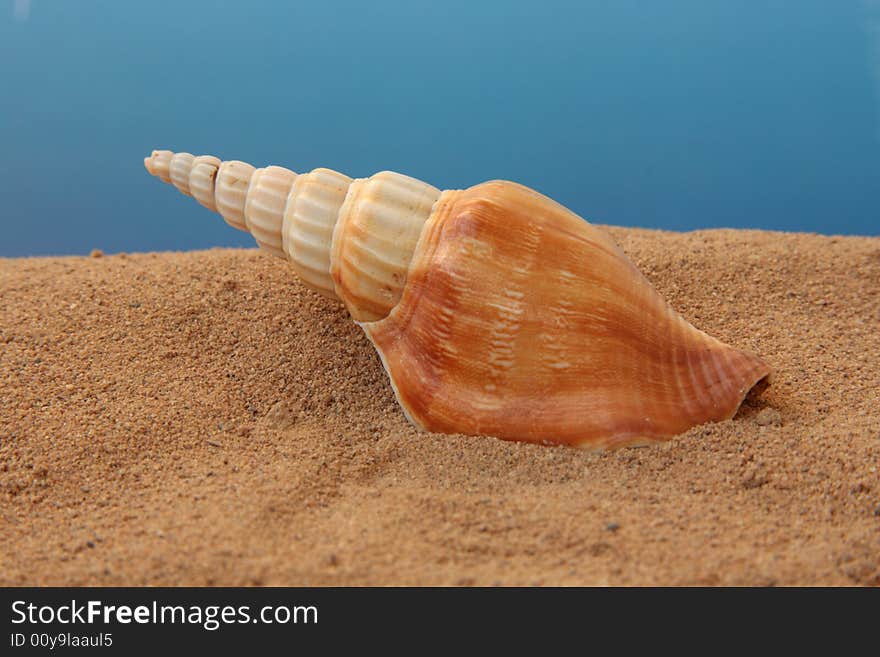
x=202 y=179
x=179 y=169
x=389 y=330
x=379 y=226
x=311 y=215
x=268 y=193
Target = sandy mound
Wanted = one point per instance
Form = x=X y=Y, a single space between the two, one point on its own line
x=201 y=418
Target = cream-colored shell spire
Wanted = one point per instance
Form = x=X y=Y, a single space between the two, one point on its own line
x=347 y=239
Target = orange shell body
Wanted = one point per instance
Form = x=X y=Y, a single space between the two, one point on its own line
x=521 y=320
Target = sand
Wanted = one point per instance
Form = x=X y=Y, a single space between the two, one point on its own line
x=202 y=419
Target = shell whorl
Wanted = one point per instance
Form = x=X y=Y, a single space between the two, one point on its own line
x=348 y=239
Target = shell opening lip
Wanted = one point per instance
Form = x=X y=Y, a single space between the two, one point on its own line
x=638 y=440
x=754 y=391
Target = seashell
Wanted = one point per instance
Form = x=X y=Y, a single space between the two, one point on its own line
x=495 y=310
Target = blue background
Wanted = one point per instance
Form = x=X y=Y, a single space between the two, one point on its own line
x=680 y=114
